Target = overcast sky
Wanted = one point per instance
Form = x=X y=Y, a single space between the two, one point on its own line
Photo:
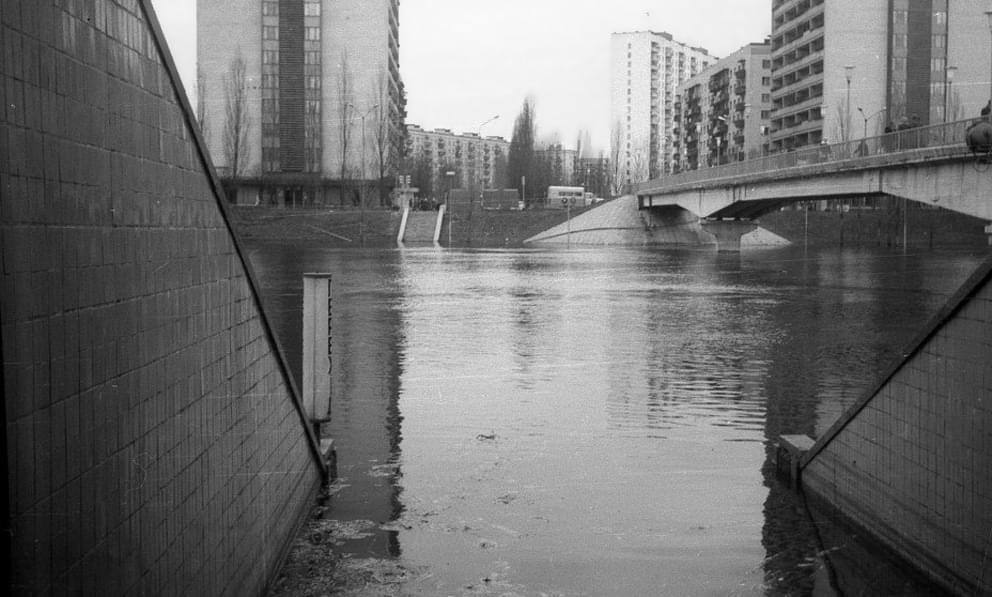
x=464 y=61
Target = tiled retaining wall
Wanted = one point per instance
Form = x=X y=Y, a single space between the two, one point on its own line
x=153 y=439
x=912 y=462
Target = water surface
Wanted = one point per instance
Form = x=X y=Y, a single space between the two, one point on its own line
x=599 y=422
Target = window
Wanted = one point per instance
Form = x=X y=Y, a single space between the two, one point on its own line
x=270 y=9
x=938 y=65
x=312 y=34
x=269 y=32
x=766 y=97
x=899 y=41
x=312 y=58
x=939 y=41
x=270 y=57
x=313 y=82
x=766 y=81
x=311 y=9
x=766 y=64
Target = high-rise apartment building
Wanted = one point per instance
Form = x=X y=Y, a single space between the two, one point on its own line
x=477 y=162
x=646 y=67
x=301 y=101
x=842 y=69
x=722 y=114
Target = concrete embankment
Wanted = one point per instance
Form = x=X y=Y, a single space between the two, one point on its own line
x=617 y=223
x=379 y=228
x=620 y=223
x=154 y=440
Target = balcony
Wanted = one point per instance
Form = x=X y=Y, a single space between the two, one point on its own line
x=808 y=65
x=813 y=83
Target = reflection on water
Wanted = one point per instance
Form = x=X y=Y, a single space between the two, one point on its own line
x=600 y=422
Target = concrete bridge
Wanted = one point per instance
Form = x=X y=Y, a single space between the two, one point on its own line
x=930 y=165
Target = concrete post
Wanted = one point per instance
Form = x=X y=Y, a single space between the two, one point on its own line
x=317 y=348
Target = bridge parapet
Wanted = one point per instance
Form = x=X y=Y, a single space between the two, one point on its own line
x=919 y=144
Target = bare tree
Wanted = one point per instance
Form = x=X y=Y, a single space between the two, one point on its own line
x=345 y=115
x=843 y=127
x=238 y=122
x=640 y=165
x=618 y=178
x=383 y=135
x=520 y=158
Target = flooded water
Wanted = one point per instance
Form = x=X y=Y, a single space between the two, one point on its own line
x=600 y=422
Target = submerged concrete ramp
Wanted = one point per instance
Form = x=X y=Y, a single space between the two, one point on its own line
x=912 y=461
x=421 y=227
x=154 y=441
x=620 y=223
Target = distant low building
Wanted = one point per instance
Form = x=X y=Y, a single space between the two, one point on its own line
x=477 y=162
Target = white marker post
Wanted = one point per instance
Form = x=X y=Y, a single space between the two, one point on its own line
x=317 y=349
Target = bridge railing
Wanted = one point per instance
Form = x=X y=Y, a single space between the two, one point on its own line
x=867 y=149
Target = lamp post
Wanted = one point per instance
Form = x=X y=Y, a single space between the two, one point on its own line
x=988 y=15
x=361 y=190
x=482 y=177
x=868 y=118
x=949 y=99
x=719 y=141
x=848 y=72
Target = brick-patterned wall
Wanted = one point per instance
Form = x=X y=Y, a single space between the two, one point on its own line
x=913 y=462
x=154 y=443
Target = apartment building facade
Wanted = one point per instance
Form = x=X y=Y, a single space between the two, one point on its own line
x=301 y=101
x=646 y=67
x=477 y=162
x=722 y=114
x=844 y=69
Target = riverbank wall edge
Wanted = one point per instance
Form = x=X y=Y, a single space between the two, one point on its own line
x=154 y=440
x=910 y=461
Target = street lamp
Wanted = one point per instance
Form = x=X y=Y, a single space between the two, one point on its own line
x=848 y=72
x=482 y=178
x=361 y=190
x=719 y=139
x=949 y=99
x=988 y=15
x=868 y=117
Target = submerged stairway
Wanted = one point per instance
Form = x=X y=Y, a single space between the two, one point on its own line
x=420 y=226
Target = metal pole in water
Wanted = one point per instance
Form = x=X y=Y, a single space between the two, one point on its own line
x=568 y=223
x=905 y=224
